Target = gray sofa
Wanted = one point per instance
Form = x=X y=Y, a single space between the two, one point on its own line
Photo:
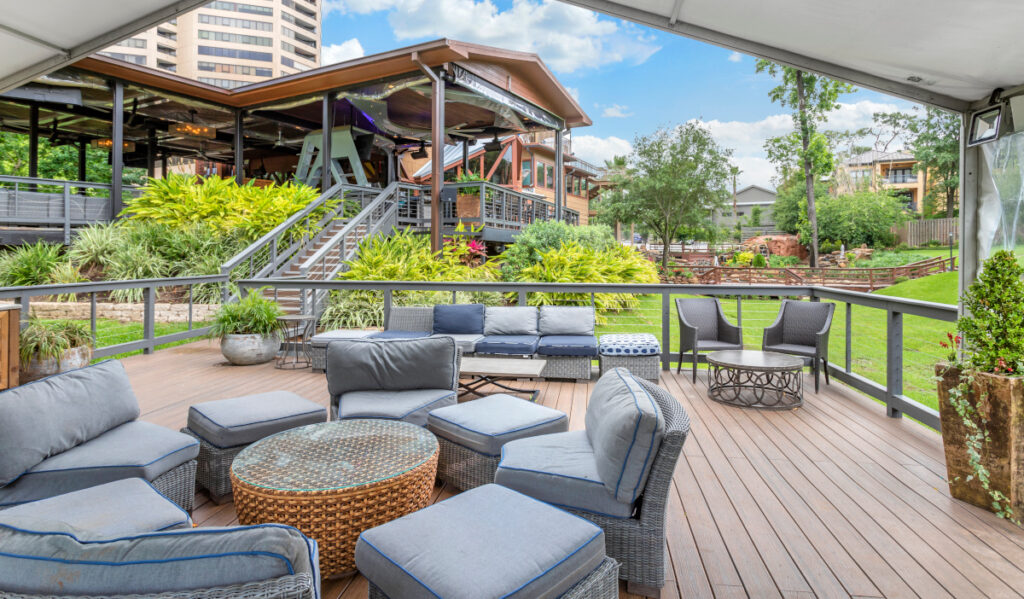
x=125 y=539
x=79 y=429
x=401 y=379
x=562 y=335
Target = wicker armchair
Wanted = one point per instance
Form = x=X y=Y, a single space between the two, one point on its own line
x=702 y=328
x=801 y=329
x=295 y=586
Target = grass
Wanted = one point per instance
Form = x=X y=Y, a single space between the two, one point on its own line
x=112 y=332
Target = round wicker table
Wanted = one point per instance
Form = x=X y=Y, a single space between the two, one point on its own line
x=756 y=379
x=334 y=480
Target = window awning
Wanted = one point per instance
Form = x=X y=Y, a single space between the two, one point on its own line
x=38 y=37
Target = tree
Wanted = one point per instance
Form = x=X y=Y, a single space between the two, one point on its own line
x=675 y=178
x=790 y=207
x=58 y=162
x=811 y=97
x=755 y=216
x=861 y=217
x=936 y=147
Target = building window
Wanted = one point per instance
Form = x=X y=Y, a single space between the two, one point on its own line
x=167 y=66
x=234 y=53
x=225 y=83
x=132 y=58
x=132 y=42
x=902 y=175
x=235 y=69
x=297 y=37
x=527 y=173
x=297 y=51
x=236 y=23
x=306 y=11
x=288 y=17
x=166 y=50
x=240 y=7
x=551 y=176
x=235 y=38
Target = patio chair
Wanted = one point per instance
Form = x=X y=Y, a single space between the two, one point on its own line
x=801 y=329
x=704 y=328
x=596 y=473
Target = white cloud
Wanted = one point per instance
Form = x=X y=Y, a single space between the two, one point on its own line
x=616 y=111
x=346 y=50
x=735 y=57
x=574 y=92
x=567 y=38
x=596 y=150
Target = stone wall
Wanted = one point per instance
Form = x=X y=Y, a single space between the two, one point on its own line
x=121 y=312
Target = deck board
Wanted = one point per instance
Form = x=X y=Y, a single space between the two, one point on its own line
x=831 y=500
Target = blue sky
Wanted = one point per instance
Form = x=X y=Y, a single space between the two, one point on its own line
x=628 y=78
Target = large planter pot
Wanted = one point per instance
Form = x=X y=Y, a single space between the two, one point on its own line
x=1003 y=455
x=467 y=205
x=243 y=350
x=37 y=368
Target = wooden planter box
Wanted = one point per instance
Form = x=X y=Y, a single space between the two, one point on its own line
x=467 y=205
x=1003 y=455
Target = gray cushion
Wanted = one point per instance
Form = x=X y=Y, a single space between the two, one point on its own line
x=134 y=449
x=399 y=334
x=485 y=424
x=487 y=542
x=242 y=420
x=715 y=345
x=807 y=351
x=702 y=312
x=466 y=343
x=124 y=507
x=48 y=416
x=459 y=319
x=561 y=470
x=801 y=321
x=410 y=405
x=566 y=320
x=567 y=345
x=514 y=345
x=517 y=320
x=400 y=364
x=46 y=558
x=322 y=339
x=625 y=426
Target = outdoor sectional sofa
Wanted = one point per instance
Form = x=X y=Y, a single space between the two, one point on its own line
x=79 y=429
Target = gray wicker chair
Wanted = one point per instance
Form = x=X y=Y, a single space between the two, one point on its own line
x=703 y=328
x=801 y=329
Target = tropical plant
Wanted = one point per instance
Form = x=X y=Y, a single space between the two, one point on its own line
x=29 y=264
x=742 y=259
x=50 y=339
x=759 y=261
x=353 y=309
x=254 y=314
x=128 y=263
x=66 y=273
x=776 y=261
x=94 y=244
x=468 y=177
x=539 y=237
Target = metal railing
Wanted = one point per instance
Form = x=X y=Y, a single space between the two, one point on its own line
x=485 y=204
x=112 y=336
x=887 y=385
x=52 y=203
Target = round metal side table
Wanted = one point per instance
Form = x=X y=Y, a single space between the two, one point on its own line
x=296 y=333
x=756 y=379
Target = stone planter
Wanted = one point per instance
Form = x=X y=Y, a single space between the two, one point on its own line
x=1003 y=455
x=467 y=205
x=243 y=350
x=37 y=368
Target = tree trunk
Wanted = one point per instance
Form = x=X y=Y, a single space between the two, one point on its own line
x=950 y=203
x=805 y=140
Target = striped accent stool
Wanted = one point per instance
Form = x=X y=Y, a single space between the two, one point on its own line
x=640 y=353
x=471 y=435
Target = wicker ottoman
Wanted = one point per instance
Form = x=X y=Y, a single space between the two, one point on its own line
x=488 y=542
x=318 y=344
x=226 y=426
x=640 y=353
x=472 y=434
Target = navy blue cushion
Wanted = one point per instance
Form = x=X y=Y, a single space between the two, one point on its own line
x=567 y=345
x=459 y=319
x=508 y=344
x=400 y=335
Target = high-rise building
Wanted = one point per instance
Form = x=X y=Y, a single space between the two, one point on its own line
x=229 y=43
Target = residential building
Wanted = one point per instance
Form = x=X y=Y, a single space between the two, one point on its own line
x=743 y=203
x=231 y=43
x=896 y=171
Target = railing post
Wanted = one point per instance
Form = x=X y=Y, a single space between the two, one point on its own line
x=92 y=316
x=522 y=299
x=666 y=333
x=893 y=362
x=387 y=307
x=149 y=318
x=739 y=311
x=67 y=213
x=849 y=337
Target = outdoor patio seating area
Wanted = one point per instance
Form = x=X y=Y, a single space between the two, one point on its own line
x=832 y=499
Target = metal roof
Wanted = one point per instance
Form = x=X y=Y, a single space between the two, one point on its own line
x=874 y=156
x=948 y=53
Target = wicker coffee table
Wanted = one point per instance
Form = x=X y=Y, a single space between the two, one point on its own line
x=333 y=480
x=756 y=379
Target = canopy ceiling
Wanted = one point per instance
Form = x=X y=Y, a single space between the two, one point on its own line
x=38 y=37
x=948 y=53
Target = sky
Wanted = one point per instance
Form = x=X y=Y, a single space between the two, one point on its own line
x=630 y=79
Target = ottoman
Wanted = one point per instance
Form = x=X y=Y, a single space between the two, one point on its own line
x=318 y=344
x=640 y=353
x=226 y=426
x=472 y=434
x=487 y=543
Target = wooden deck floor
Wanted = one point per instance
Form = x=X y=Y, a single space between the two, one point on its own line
x=831 y=500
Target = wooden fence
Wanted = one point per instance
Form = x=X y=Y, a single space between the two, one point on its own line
x=920 y=232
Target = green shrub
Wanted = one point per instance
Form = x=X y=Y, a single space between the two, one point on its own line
x=759 y=261
x=742 y=258
x=540 y=237
x=50 y=339
x=251 y=315
x=827 y=247
x=128 y=263
x=94 y=245
x=29 y=264
x=862 y=217
x=783 y=261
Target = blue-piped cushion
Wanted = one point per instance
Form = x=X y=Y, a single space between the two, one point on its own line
x=487 y=542
x=243 y=420
x=567 y=345
x=484 y=425
x=411 y=405
x=523 y=345
x=625 y=427
x=514 y=320
x=47 y=558
x=399 y=335
x=459 y=319
x=567 y=320
x=629 y=344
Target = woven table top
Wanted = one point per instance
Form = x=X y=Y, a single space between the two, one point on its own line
x=334 y=455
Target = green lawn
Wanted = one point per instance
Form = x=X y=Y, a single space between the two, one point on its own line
x=112 y=332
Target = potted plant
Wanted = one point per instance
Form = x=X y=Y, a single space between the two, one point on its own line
x=467 y=200
x=51 y=347
x=248 y=329
x=981 y=391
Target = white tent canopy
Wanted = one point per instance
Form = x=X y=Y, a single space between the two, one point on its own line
x=38 y=37
x=948 y=53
